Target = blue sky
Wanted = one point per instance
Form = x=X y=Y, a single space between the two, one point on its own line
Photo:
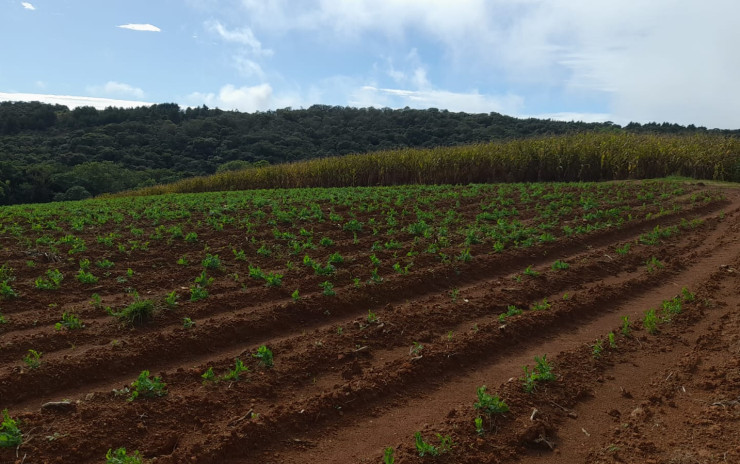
x=626 y=60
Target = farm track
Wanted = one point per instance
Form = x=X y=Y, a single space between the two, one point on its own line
x=360 y=386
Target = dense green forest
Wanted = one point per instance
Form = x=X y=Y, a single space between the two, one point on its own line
x=48 y=152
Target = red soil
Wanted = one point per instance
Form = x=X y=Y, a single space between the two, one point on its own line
x=344 y=388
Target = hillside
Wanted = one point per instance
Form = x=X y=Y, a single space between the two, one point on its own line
x=52 y=153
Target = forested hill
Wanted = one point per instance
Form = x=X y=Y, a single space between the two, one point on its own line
x=48 y=152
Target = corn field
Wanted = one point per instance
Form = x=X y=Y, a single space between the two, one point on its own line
x=580 y=157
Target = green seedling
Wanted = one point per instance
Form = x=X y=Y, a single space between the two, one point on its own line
x=624 y=249
x=146 y=387
x=119 y=456
x=171 y=299
x=489 y=404
x=479 y=425
x=427 y=449
x=198 y=293
x=650 y=322
x=542 y=372
x=264 y=355
x=653 y=264
x=188 y=323
x=137 y=312
x=52 y=281
x=328 y=288
x=233 y=374
x=560 y=265
x=541 y=306
x=388 y=456
x=626 y=326
x=686 y=295
x=86 y=277
x=371 y=317
x=531 y=272
x=10 y=433
x=612 y=340
x=415 y=349
x=295 y=295
x=511 y=310
x=69 y=321
x=33 y=359
x=597 y=348
x=208 y=376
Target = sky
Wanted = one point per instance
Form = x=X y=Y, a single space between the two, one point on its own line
x=593 y=60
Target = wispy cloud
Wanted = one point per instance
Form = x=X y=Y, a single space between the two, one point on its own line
x=28 y=6
x=140 y=27
x=72 y=101
x=243 y=36
x=469 y=102
x=119 y=89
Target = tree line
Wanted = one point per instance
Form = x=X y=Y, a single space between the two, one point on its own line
x=49 y=152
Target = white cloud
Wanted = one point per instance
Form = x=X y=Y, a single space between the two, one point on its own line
x=118 y=89
x=140 y=27
x=246 y=99
x=243 y=36
x=28 y=6
x=72 y=101
x=663 y=60
x=471 y=102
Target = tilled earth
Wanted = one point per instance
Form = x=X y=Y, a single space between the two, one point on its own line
x=345 y=387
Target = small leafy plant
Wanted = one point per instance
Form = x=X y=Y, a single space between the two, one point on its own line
x=388 y=456
x=10 y=433
x=489 y=404
x=69 y=321
x=479 y=425
x=137 y=312
x=146 y=387
x=415 y=349
x=626 y=326
x=542 y=372
x=328 y=288
x=653 y=264
x=531 y=272
x=650 y=322
x=424 y=448
x=560 y=265
x=33 y=359
x=597 y=348
x=119 y=456
x=208 y=376
x=188 y=323
x=264 y=355
x=233 y=374
x=52 y=281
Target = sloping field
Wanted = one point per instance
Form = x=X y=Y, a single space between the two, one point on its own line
x=332 y=325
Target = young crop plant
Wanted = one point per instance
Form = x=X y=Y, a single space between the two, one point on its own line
x=335 y=258
x=211 y=262
x=69 y=321
x=52 y=281
x=182 y=261
x=239 y=255
x=510 y=311
x=328 y=288
x=10 y=434
x=625 y=326
x=427 y=449
x=372 y=318
x=388 y=456
x=416 y=349
x=489 y=404
x=120 y=456
x=33 y=359
x=204 y=281
x=2 y=319
x=478 y=421
x=374 y=260
x=465 y=256
x=146 y=387
x=531 y=272
x=233 y=374
x=353 y=225
x=375 y=277
x=542 y=372
x=273 y=280
x=653 y=264
x=560 y=265
x=597 y=348
x=187 y=323
x=198 y=293
x=105 y=264
x=326 y=242
x=264 y=354
x=264 y=251
x=686 y=295
x=137 y=312
x=171 y=299
x=208 y=376
x=295 y=295
x=542 y=305
x=624 y=249
x=6 y=291
x=672 y=307
x=86 y=277
x=650 y=322
x=612 y=340
x=191 y=237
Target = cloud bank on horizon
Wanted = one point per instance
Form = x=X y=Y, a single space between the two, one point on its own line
x=665 y=60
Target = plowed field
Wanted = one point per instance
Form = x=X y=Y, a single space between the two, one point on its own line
x=385 y=310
